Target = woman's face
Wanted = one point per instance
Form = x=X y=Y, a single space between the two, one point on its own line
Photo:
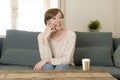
x=56 y=21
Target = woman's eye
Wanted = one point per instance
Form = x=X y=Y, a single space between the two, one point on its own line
x=54 y=18
x=61 y=17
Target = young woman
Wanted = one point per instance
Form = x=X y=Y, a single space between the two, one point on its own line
x=56 y=44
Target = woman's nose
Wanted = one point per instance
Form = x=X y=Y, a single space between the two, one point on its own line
x=58 y=20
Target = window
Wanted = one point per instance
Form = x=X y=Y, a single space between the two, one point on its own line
x=5 y=16
x=24 y=14
x=53 y=3
x=31 y=14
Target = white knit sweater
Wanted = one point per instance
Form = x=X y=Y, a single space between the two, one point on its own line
x=60 y=52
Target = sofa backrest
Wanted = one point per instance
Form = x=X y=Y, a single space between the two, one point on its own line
x=94 y=39
x=98 y=46
x=20 y=48
x=16 y=39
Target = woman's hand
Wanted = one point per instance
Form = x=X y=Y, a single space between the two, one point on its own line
x=49 y=29
x=40 y=64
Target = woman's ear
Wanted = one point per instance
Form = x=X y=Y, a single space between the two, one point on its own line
x=47 y=22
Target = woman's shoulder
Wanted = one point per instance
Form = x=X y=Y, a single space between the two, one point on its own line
x=40 y=35
x=71 y=33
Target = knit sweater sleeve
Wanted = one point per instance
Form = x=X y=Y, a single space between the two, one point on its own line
x=45 y=50
x=67 y=55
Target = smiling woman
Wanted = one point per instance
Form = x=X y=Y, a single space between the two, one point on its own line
x=24 y=14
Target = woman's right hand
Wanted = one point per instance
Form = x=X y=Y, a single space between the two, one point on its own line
x=49 y=29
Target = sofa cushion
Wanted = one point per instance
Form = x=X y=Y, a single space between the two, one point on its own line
x=14 y=67
x=100 y=56
x=116 y=57
x=94 y=39
x=26 y=57
x=17 y=39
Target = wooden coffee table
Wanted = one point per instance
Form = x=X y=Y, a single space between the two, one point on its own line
x=55 y=75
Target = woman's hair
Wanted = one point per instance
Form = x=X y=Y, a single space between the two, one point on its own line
x=50 y=13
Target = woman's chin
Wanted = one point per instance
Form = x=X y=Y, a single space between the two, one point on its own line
x=58 y=28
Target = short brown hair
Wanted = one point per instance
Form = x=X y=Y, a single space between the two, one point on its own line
x=50 y=13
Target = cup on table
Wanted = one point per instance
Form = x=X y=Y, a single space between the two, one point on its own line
x=85 y=64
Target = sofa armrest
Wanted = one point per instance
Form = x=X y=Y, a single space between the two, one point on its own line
x=1 y=45
x=116 y=42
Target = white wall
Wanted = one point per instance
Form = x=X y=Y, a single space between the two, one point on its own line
x=117 y=18
x=78 y=14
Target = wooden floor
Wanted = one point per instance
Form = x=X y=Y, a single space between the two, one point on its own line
x=55 y=75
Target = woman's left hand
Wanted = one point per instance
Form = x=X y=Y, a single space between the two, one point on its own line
x=40 y=64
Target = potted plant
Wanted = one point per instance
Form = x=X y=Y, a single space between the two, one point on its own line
x=94 y=25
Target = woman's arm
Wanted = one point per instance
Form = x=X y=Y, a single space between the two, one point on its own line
x=44 y=47
x=45 y=52
x=67 y=55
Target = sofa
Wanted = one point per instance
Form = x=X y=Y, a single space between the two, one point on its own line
x=19 y=50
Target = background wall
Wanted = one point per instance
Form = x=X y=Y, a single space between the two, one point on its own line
x=78 y=14
x=117 y=18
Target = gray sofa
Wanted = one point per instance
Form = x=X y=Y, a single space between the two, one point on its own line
x=19 y=50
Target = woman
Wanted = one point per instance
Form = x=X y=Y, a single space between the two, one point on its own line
x=56 y=44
